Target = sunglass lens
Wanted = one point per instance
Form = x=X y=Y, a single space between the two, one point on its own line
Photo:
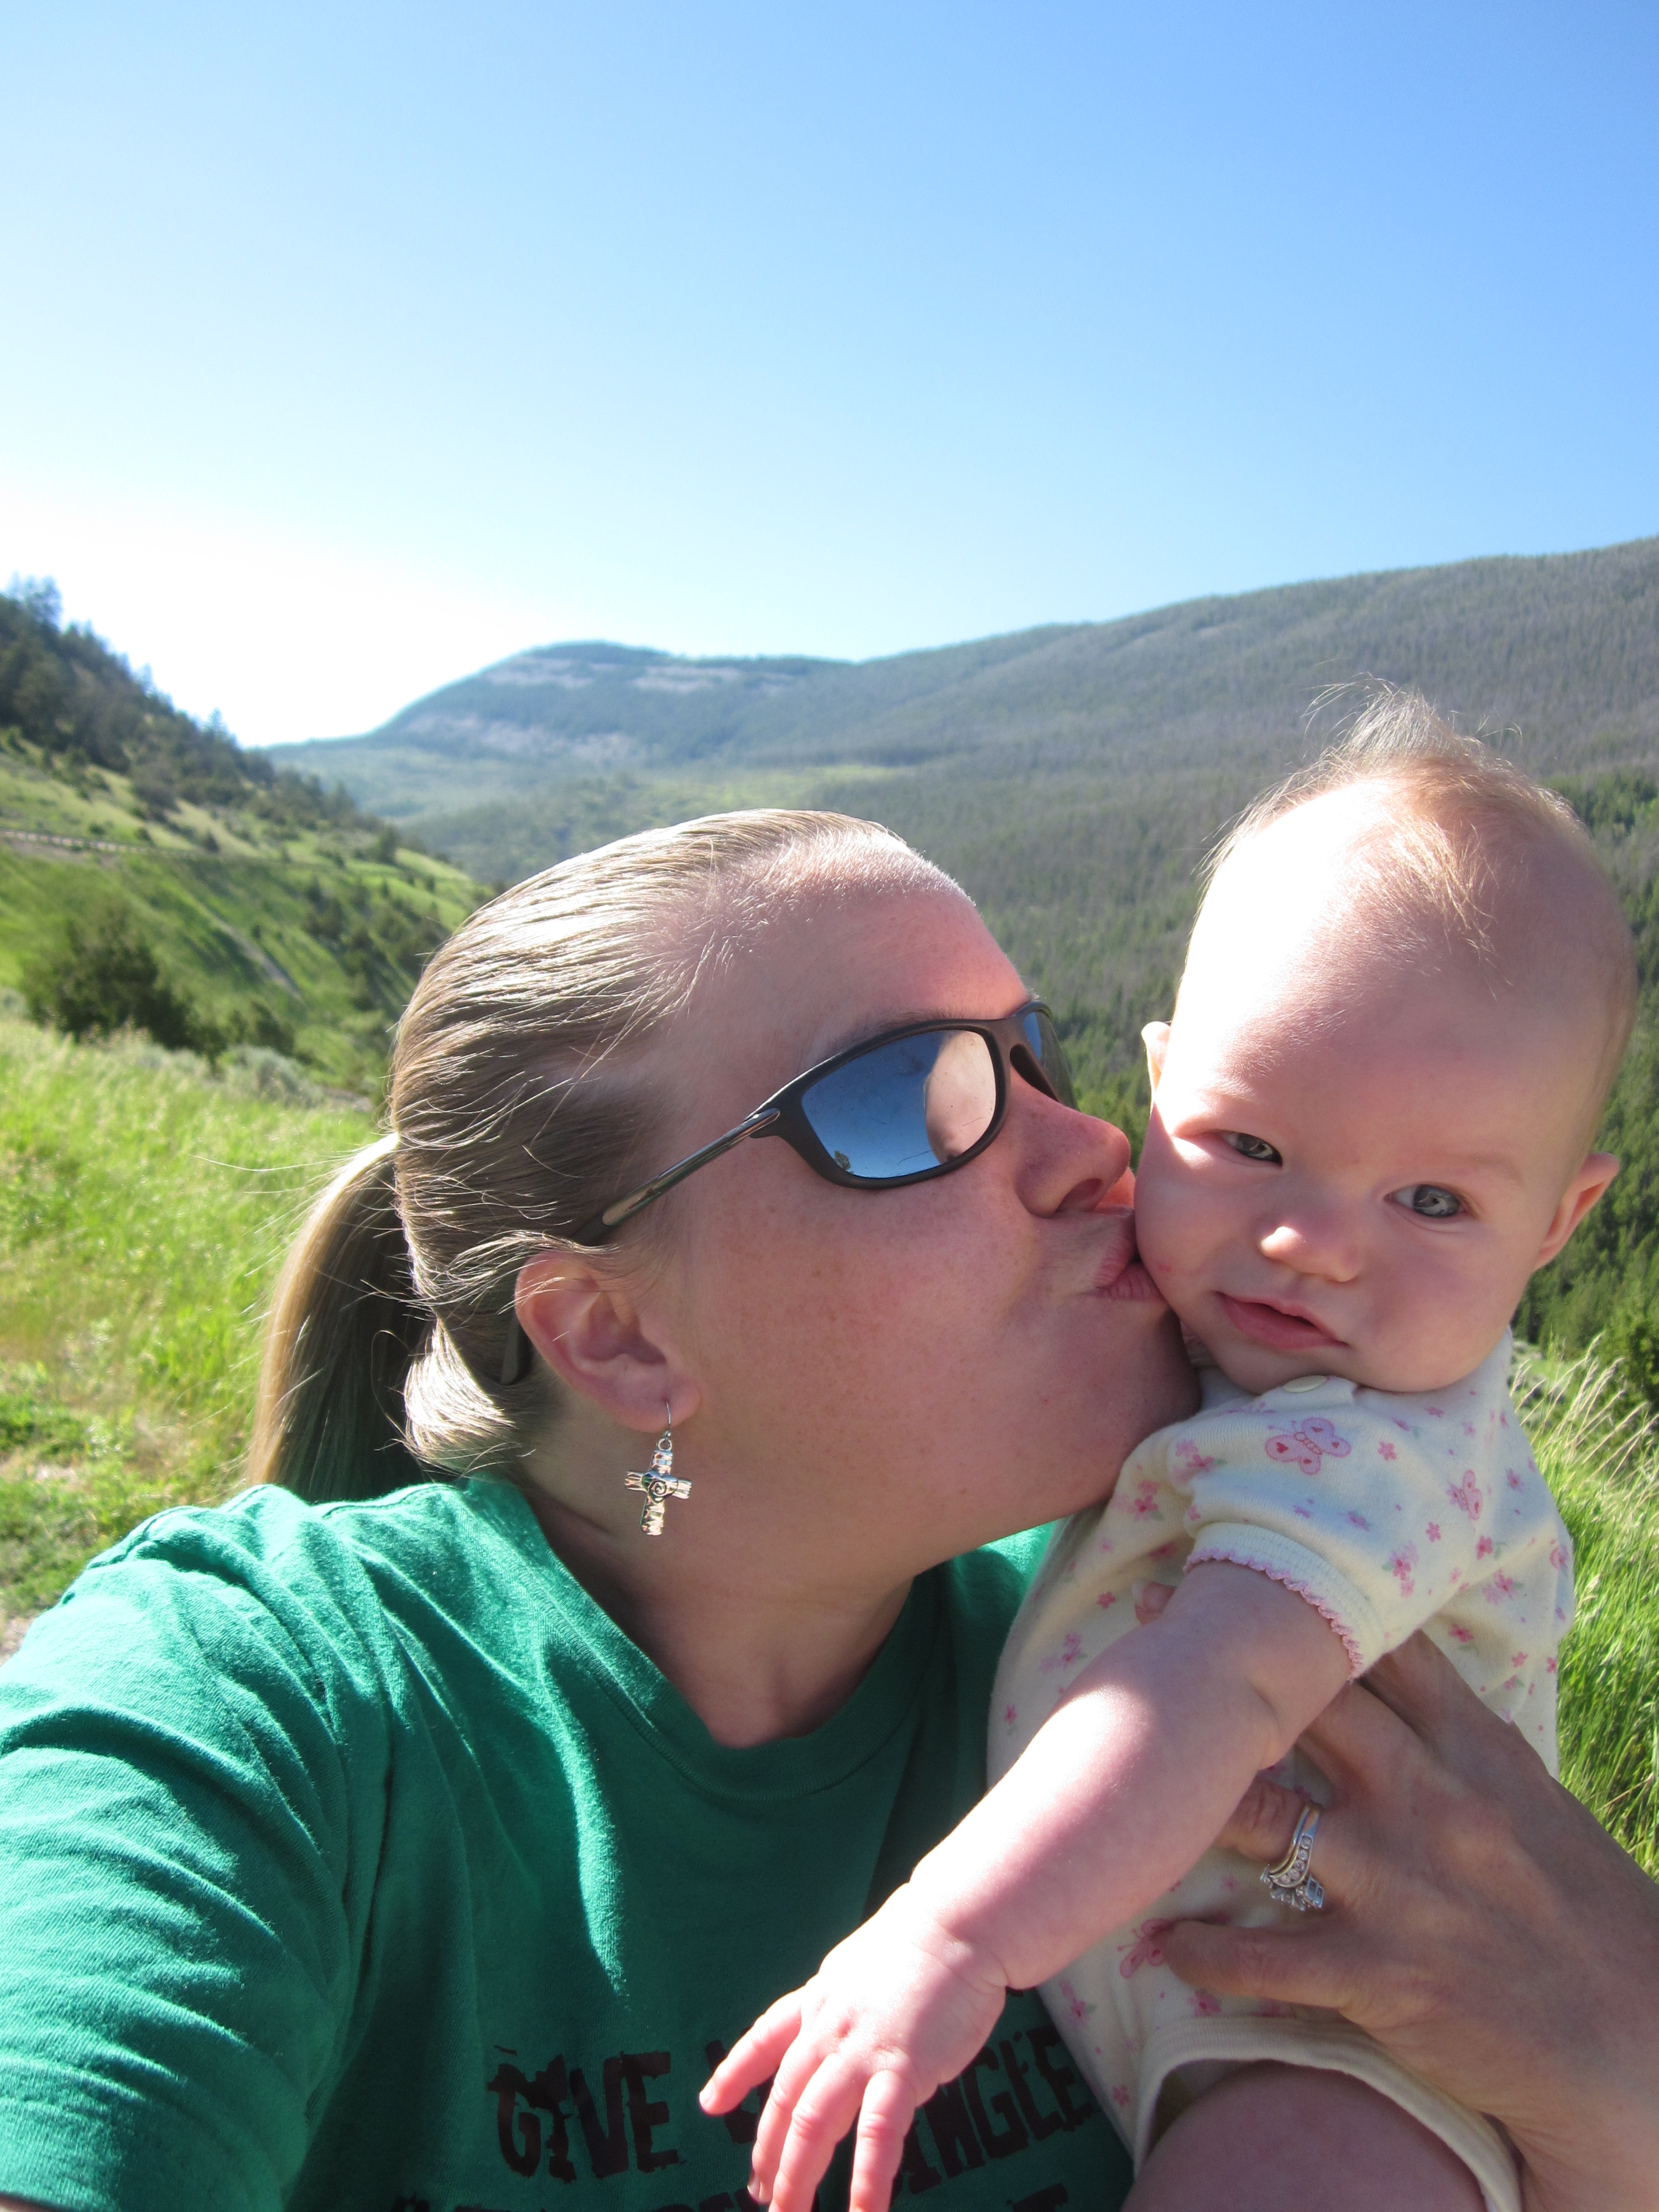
x=906 y=1106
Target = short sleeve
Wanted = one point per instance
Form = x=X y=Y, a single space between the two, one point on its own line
x=1381 y=1509
x=174 y=1838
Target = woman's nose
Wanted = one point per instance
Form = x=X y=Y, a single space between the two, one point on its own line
x=1069 y=1163
x=1314 y=1241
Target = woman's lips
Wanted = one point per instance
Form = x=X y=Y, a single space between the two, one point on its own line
x=1272 y=1327
x=1119 y=1274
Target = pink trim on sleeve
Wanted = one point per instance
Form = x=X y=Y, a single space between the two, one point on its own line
x=1322 y=1606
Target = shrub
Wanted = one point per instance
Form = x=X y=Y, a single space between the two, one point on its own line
x=1630 y=1342
x=103 y=976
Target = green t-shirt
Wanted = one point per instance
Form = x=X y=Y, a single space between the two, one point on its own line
x=351 y=1858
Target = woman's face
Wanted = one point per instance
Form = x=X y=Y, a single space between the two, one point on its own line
x=892 y=1376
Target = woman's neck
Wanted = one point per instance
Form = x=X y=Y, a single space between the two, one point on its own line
x=763 y=1641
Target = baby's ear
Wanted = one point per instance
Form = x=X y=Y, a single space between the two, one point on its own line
x=1577 y=1199
x=1156 y=1038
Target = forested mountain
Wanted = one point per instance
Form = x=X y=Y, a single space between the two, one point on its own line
x=1072 y=777
x=1565 y=647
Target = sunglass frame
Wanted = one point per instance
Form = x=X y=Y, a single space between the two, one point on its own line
x=783 y=1114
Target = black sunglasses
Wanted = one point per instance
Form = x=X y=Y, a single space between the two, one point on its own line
x=902 y=1107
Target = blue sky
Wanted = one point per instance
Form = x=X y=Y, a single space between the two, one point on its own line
x=349 y=347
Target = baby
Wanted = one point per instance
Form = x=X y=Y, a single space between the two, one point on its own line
x=1407 y=993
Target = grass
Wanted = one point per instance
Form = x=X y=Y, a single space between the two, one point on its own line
x=1602 y=1460
x=144 y=1208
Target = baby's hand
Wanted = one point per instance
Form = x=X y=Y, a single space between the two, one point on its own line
x=898 y=2007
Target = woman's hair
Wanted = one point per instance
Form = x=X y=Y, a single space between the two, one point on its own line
x=518 y=1108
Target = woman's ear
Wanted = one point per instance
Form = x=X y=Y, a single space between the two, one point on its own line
x=1156 y=1038
x=587 y=1327
x=1577 y=1199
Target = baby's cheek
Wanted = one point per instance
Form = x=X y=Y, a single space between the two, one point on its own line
x=1176 y=1226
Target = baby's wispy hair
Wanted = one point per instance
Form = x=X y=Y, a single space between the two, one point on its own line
x=1468 y=851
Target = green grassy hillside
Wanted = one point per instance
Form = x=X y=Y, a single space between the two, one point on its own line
x=278 y=910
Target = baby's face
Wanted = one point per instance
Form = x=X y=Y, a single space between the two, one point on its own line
x=1355 y=1175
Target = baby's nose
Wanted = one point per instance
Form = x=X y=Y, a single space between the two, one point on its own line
x=1314 y=1244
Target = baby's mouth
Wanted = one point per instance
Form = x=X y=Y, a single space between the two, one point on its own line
x=1272 y=1326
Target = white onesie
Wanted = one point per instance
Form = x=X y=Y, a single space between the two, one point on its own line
x=1389 y=1514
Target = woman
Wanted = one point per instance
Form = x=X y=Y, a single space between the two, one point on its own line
x=425 y=1851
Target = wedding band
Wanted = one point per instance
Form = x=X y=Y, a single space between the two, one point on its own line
x=1290 y=1882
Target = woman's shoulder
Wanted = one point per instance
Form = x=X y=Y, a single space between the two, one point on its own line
x=331 y=1590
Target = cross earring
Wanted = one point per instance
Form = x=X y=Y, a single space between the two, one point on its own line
x=660 y=1483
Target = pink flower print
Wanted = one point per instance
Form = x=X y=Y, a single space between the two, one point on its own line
x=1385 y=1450
x=1200 y=2003
x=1108 y=1544
x=1399 y=1424
x=1106 y=1598
x=1166 y=1551
x=1191 y=1460
x=1503 y=1421
x=1074 y=2004
x=1357 y=1520
x=1500 y=1590
x=1517 y=1658
x=1193 y=1516
x=1067 y=1655
x=1148 y=1949
x=1307 y=1444
x=1302 y=1512
x=1469 y=1428
x=1558 y=1552
x=1467 y=1495
x=1483 y=1549
x=1432 y=1531
x=1145 y=1500
x=1435 y=1413
x=1549 y=1664
x=1009 y=1715
x=1513 y=1478
x=1462 y=1635
x=1120 y=2094
x=1400 y=1566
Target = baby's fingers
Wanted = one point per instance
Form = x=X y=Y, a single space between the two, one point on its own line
x=754 y=2057
x=883 y=2121
x=825 y=2109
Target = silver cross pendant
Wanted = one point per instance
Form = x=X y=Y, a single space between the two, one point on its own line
x=659 y=1485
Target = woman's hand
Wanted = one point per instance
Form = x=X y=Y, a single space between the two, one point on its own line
x=898 y=2007
x=1480 y=1925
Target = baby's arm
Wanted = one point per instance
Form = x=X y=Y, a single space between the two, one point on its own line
x=1113 y=1798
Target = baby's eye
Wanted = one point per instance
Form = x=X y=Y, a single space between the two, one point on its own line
x=1429 y=1201
x=1253 y=1148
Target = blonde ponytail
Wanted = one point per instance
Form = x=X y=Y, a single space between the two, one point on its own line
x=343 y=1331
